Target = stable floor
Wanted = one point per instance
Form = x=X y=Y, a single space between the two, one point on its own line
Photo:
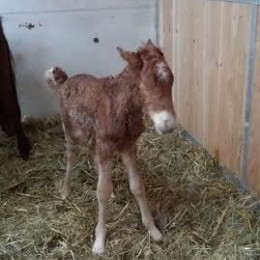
x=200 y=213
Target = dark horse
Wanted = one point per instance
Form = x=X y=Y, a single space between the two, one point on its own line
x=10 y=114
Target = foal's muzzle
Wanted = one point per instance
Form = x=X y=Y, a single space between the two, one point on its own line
x=164 y=121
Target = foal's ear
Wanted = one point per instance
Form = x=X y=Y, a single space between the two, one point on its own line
x=132 y=58
x=150 y=51
x=149 y=44
x=145 y=51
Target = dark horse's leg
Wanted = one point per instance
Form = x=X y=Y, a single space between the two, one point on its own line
x=10 y=122
x=23 y=143
x=10 y=114
x=14 y=127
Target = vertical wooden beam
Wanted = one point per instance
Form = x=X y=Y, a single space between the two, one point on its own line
x=249 y=97
x=166 y=22
x=254 y=149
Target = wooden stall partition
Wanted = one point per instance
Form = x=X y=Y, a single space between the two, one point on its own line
x=227 y=108
x=209 y=53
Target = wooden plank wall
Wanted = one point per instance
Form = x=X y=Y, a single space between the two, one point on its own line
x=209 y=50
x=166 y=29
x=254 y=154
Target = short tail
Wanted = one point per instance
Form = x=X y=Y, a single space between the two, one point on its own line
x=55 y=77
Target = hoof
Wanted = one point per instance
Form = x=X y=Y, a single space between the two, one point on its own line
x=98 y=249
x=113 y=196
x=156 y=234
x=65 y=192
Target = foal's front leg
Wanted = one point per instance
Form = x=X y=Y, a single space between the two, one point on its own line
x=104 y=191
x=137 y=188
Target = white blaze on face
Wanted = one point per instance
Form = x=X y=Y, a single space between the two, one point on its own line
x=162 y=70
x=163 y=121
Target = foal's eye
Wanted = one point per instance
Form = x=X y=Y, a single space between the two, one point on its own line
x=159 y=79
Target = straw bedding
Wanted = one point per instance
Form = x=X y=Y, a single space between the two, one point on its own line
x=200 y=213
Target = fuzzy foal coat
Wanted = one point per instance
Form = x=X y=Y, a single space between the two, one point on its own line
x=109 y=109
x=110 y=112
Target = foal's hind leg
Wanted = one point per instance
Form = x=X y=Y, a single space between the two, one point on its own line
x=137 y=188
x=71 y=154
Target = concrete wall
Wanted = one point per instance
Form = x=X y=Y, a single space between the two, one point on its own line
x=63 y=35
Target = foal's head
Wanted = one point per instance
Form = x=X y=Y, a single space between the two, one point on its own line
x=156 y=81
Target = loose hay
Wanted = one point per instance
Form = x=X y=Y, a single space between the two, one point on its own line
x=201 y=214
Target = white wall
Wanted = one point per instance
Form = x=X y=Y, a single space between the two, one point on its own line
x=63 y=35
